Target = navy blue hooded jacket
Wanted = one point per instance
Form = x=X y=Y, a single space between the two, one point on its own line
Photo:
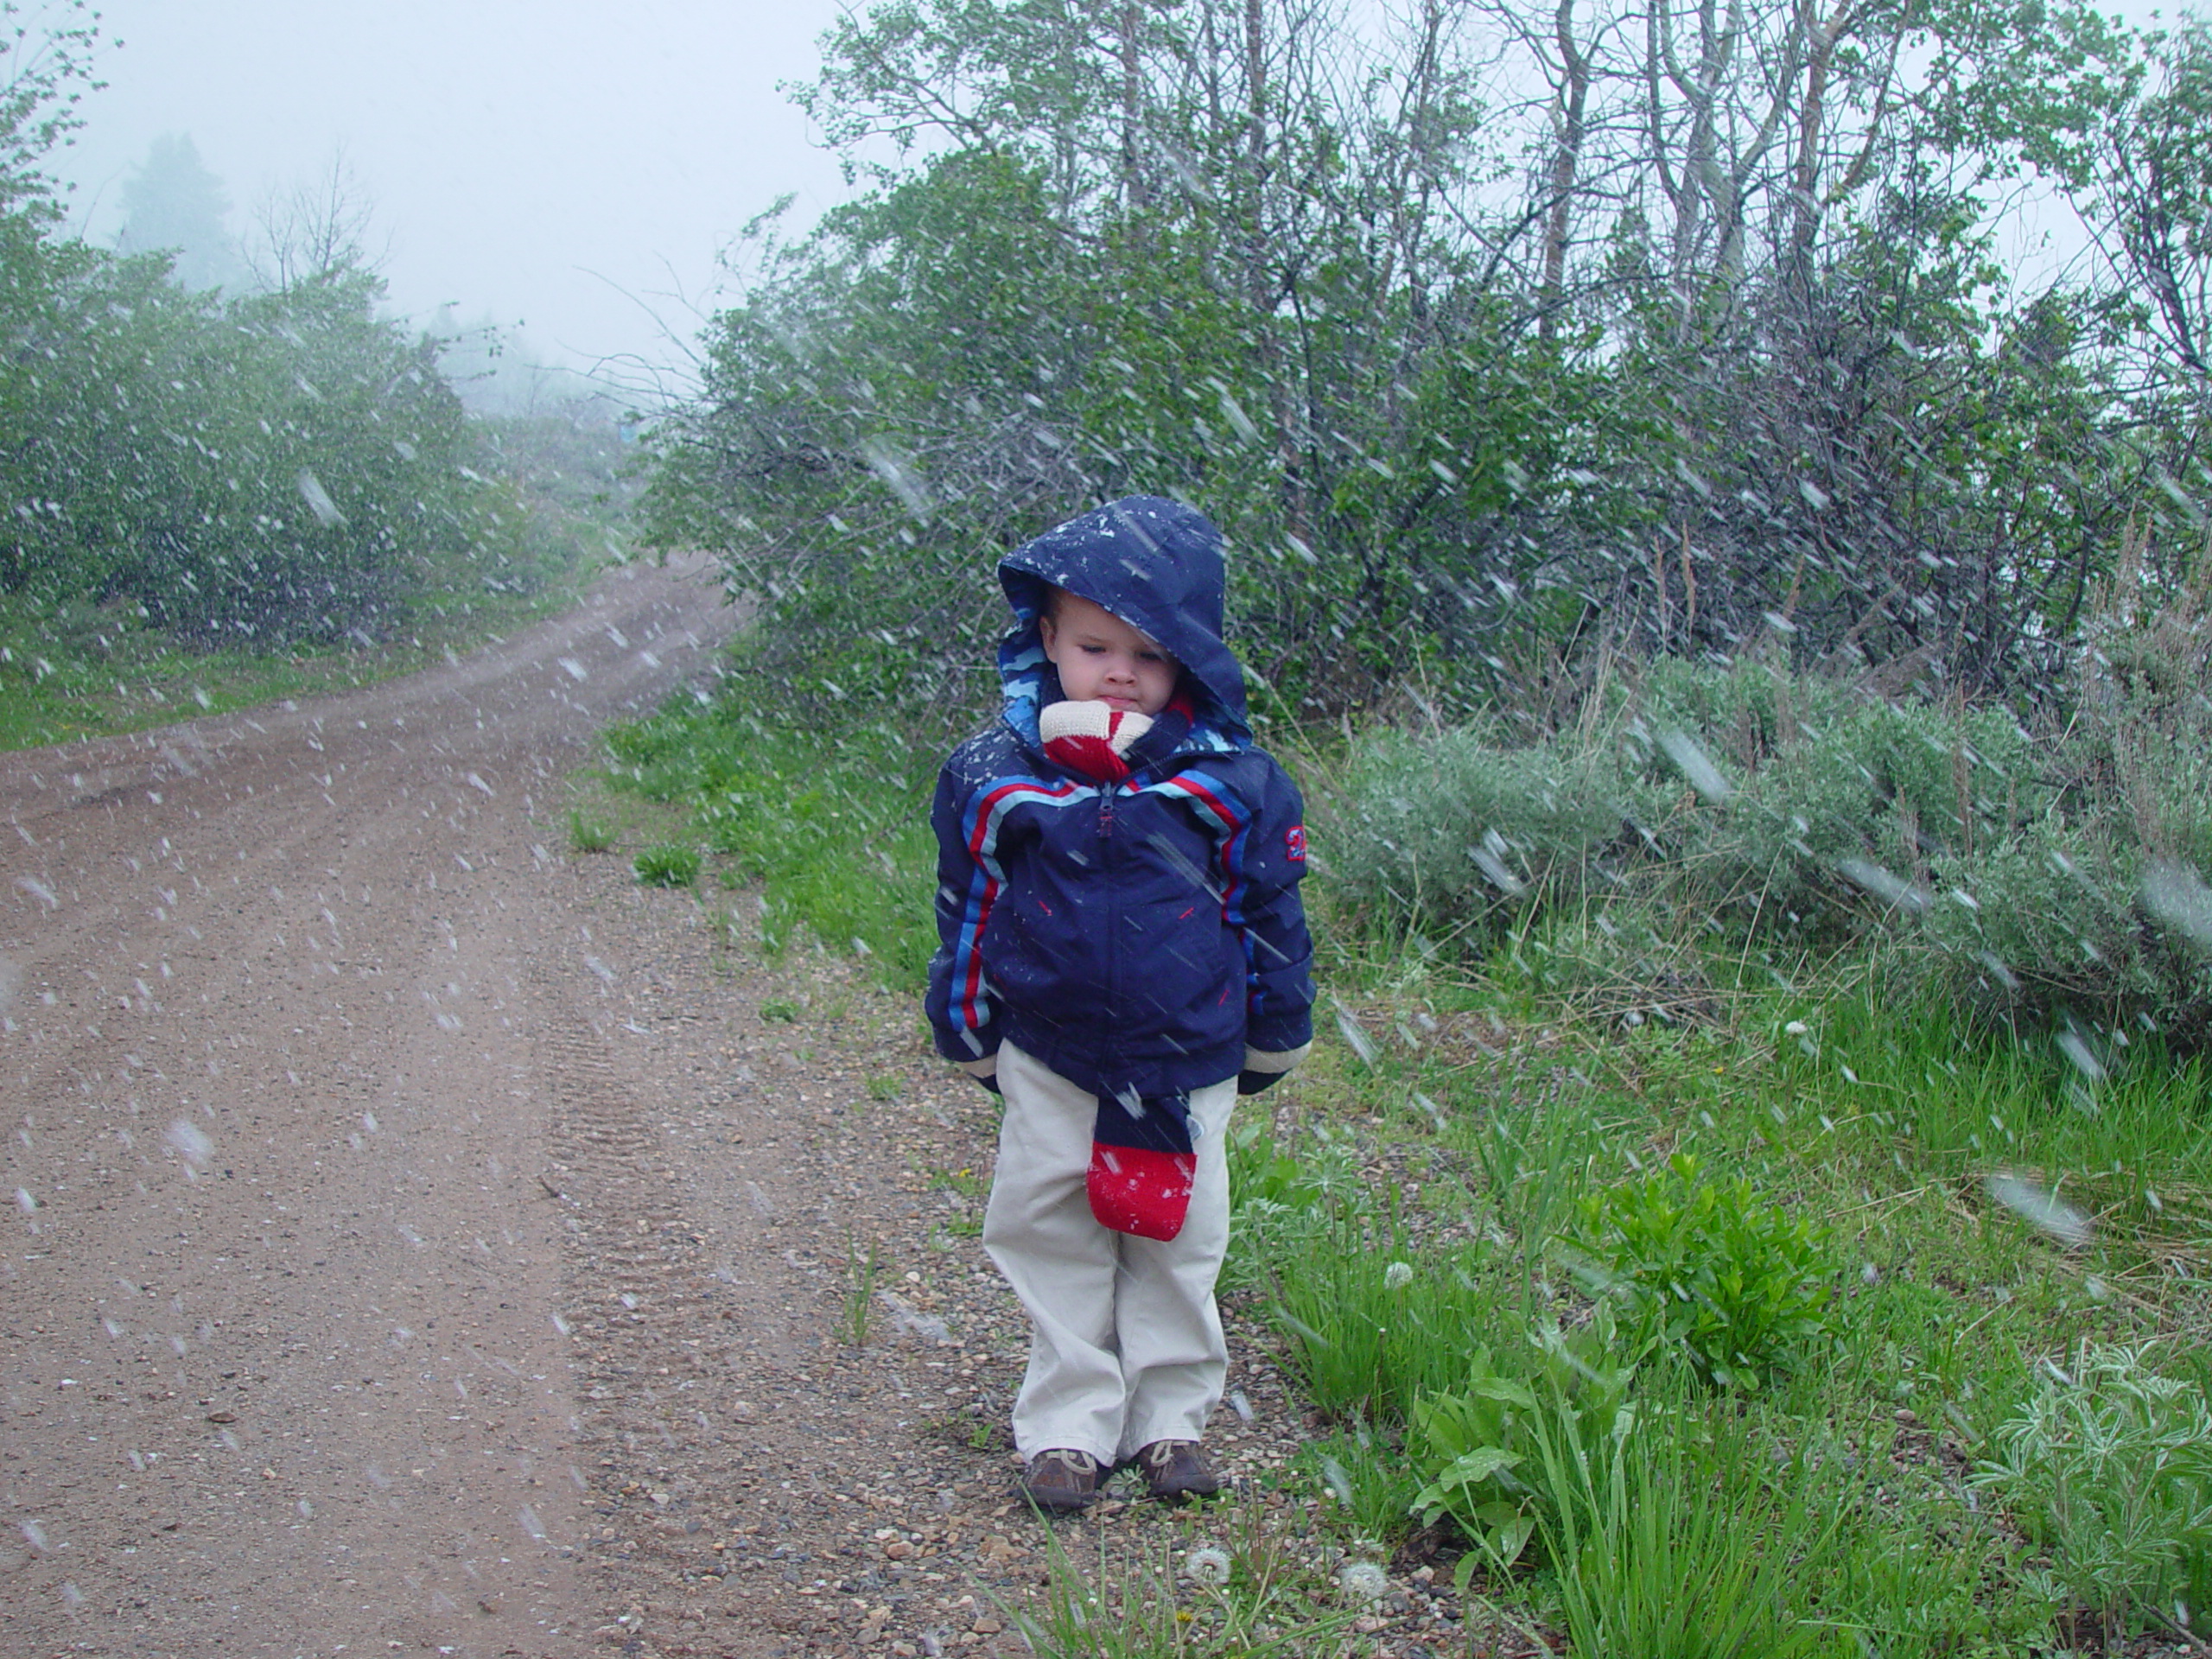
x=1134 y=937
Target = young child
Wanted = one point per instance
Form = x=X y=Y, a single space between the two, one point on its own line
x=1123 y=952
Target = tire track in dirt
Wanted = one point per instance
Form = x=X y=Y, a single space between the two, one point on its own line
x=677 y=1307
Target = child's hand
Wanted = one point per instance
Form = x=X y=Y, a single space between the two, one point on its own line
x=985 y=1070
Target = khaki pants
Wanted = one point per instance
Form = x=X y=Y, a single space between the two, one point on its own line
x=1125 y=1342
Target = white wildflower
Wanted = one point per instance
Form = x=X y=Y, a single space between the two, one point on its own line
x=1363 y=1581
x=1207 y=1566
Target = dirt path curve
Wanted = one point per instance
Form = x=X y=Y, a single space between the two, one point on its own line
x=427 y=1240
x=291 y=1029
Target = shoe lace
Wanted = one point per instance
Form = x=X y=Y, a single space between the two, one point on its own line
x=1075 y=1462
x=1160 y=1453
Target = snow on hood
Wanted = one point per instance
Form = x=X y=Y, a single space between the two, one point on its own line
x=1157 y=565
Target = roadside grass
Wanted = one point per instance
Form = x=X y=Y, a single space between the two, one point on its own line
x=830 y=839
x=589 y=833
x=1597 y=1290
x=1429 y=1225
x=77 y=671
x=1239 y=1581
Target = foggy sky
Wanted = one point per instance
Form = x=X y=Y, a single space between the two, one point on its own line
x=570 y=167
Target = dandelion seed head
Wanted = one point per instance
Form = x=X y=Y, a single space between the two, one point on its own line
x=1207 y=1565
x=1363 y=1581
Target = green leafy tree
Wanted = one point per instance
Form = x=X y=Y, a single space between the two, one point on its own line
x=1160 y=250
x=2150 y=199
x=46 y=69
x=1701 y=345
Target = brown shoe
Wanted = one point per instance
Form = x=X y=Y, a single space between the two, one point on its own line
x=1175 y=1471
x=1062 y=1480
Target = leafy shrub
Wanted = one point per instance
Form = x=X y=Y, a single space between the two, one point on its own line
x=2098 y=907
x=1450 y=831
x=1738 y=794
x=667 y=866
x=1703 y=1265
x=2108 y=1465
x=2016 y=875
x=1481 y=1444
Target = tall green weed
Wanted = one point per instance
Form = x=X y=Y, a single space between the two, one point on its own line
x=1670 y=1543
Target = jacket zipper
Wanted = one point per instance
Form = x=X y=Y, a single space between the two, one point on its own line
x=1113 y=1050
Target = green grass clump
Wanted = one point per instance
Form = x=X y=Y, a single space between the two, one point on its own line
x=667 y=866
x=1649 y=1563
x=862 y=1269
x=588 y=835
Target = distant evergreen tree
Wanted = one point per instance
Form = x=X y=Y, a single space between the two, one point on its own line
x=174 y=204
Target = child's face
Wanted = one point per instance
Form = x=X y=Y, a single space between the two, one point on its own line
x=1103 y=659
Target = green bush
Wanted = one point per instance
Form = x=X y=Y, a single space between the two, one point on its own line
x=1702 y=1265
x=2108 y=1465
x=1739 y=794
x=1449 y=831
x=2017 y=876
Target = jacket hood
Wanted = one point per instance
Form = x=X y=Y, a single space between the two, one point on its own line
x=1157 y=565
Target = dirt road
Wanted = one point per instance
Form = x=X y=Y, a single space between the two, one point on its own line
x=291 y=1032
x=427 y=1240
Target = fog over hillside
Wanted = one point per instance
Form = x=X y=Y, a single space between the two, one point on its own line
x=572 y=169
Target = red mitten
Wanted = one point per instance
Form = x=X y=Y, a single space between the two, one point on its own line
x=1143 y=1164
x=1090 y=738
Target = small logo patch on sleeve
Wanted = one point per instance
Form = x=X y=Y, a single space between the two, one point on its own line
x=1294 y=844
